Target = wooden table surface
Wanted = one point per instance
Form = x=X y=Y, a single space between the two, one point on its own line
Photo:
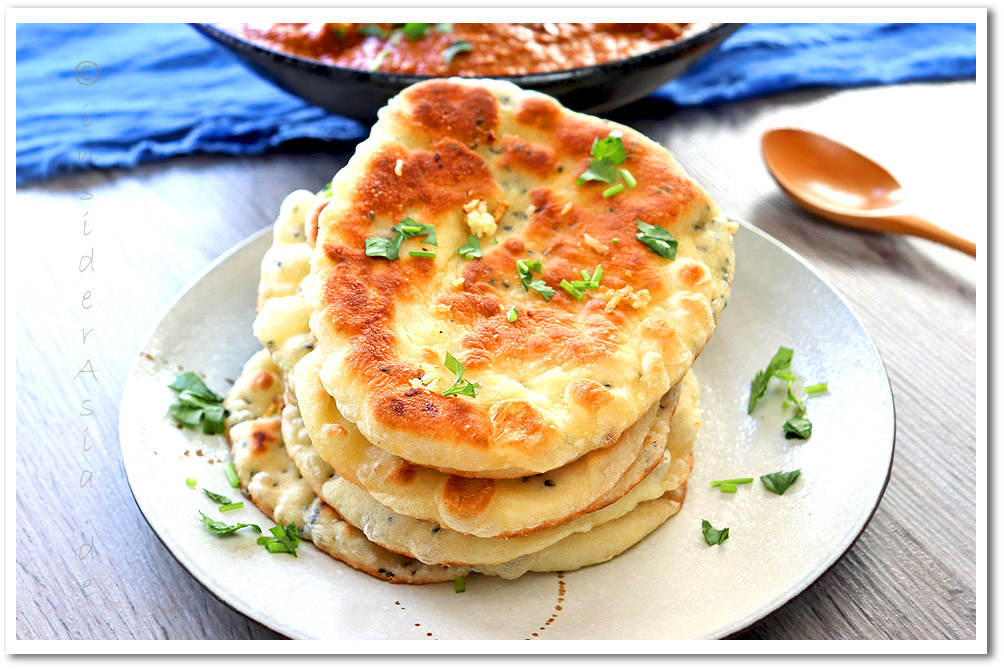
x=88 y=566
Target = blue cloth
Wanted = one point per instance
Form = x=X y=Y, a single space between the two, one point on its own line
x=163 y=90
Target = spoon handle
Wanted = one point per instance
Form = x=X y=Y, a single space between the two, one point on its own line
x=910 y=224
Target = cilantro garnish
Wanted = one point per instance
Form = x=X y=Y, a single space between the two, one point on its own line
x=526 y=268
x=460 y=385
x=817 y=388
x=326 y=191
x=781 y=361
x=606 y=153
x=471 y=248
x=713 y=536
x=196 y=404
x=798 y=426
x=381 y=247
x=283 y=539
x=219 y=499
x=512 y=315
x=778 y=482
x=191 y=482
x=656 y=238
x=223 y=529
x=415 y=31
x=458 y=47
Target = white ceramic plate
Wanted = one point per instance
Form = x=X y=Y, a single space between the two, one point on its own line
x=671 y=585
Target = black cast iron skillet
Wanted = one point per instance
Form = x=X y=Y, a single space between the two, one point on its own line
x=359 y=94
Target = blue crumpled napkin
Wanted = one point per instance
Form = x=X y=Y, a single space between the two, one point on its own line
x=162 y=90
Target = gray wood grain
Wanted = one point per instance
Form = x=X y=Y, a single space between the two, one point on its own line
x=910 y=576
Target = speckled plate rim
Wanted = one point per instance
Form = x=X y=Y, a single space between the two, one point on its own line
x=128 y=429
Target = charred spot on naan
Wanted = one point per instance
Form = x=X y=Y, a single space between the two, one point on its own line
x=466 y=497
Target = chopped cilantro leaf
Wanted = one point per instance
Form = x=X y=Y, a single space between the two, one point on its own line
x=196 y=404
x=512 y=315
x=778 y=482
x=191 y=482
x=191 y=383
x=471 y=248
x=713 y=536
x=780 y=362
x=222 y=528
x=598 y=171
x=526 y=269
x=610 y=150
x=798 y=427
x=409 y=227
x=381 y=247
x=283 y=540
x=219 y=499
x=460 y=385
x=657 y=238
x=415 y=31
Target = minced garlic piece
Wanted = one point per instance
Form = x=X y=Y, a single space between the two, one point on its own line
x=640 y=299
x=399 y=167
x=596 y=244
x=635 y=299
x=479 y=220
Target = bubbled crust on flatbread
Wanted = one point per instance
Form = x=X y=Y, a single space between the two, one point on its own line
x=566 y=374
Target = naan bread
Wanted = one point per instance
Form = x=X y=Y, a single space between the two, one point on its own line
x=433 y=544
x=480 y=506
x=483 y=507
x=275 y=485
x=486 y=157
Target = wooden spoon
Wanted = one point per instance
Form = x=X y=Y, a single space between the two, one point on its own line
x=838 y=183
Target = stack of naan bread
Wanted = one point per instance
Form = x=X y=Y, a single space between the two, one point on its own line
x=575 y=442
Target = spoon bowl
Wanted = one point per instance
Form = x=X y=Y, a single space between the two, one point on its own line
x=839 y=184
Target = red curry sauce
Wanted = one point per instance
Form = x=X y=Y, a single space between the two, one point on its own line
x=463 y=49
